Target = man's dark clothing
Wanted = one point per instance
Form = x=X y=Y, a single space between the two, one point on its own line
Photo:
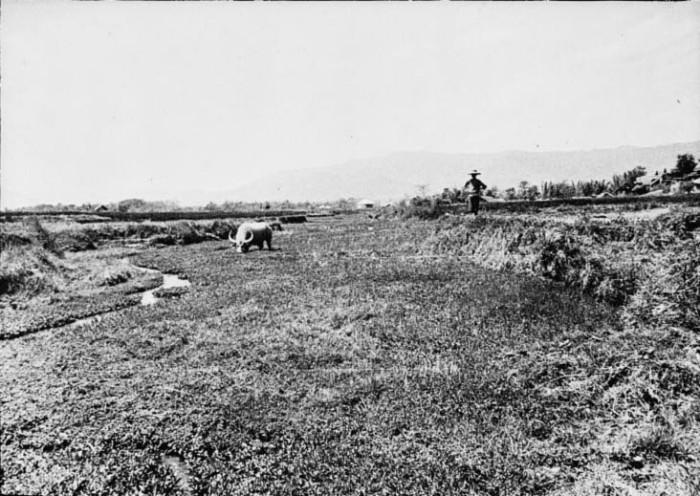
x=474 y=204
x=474 y=187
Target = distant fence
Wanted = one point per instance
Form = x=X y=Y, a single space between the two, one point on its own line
x=283 y=215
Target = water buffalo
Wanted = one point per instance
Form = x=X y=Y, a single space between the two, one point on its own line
x=252 y=233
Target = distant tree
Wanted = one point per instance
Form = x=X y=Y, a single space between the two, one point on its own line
x=687 y=187
x=600 y=186
x=45 y=207
x=211 y=207
x=131 y=205
x=563 y=189
x=632 y=176
x=510 y=194
x=625 y=181
x=685 y=164
x=346 y=204
x=422 y=189
x=527 y=191
x=493 y=191
x=452 y=195
x=590 y=188
x=532 y=192
x=523 y=187
x=161 y=206
x=546 y=192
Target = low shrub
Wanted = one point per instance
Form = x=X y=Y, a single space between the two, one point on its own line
x=222 y=229
x=114 y=277
x=78 y=241
x=174 y=292
x=421 y=208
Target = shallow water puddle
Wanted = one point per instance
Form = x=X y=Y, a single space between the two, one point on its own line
x=169 y=281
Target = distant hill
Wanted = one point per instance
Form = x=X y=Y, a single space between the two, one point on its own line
x=397 y=175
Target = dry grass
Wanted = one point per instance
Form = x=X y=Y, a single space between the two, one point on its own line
x=652 y=266
x=67 y=235
x=27 y=271
x=353 y=360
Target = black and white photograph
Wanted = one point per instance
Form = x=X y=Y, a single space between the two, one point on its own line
x=335 y=248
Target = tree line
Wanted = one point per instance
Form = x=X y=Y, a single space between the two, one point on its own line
x=138 y=205
x=625 y=183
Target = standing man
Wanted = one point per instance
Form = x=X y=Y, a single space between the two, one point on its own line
x=473 y=188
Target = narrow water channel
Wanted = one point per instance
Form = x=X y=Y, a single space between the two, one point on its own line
x=148 y=297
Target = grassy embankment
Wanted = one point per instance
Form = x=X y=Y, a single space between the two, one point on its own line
x=53 y=273
x=651 y=267
x=358 y=359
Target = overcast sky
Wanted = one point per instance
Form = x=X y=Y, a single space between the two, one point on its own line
x=107 y=100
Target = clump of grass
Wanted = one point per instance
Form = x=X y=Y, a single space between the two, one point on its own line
x=46 y=239
x=8 y=240
x=670 y=294
x=556 y=251
x=420 y=208
x=112 y=277
x=181 y=232
x=170 y=292
x=29 y=271
x=652 y=266
x=185 y=233
x=59 y=236
x=657 y=443
x=222 y=228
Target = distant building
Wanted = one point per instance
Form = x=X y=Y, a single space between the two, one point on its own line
x=365 y=204
x=101 y=208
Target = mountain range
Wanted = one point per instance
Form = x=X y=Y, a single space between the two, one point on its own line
x=401 y=174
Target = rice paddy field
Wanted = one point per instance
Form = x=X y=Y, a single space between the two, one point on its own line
x=511 y=354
